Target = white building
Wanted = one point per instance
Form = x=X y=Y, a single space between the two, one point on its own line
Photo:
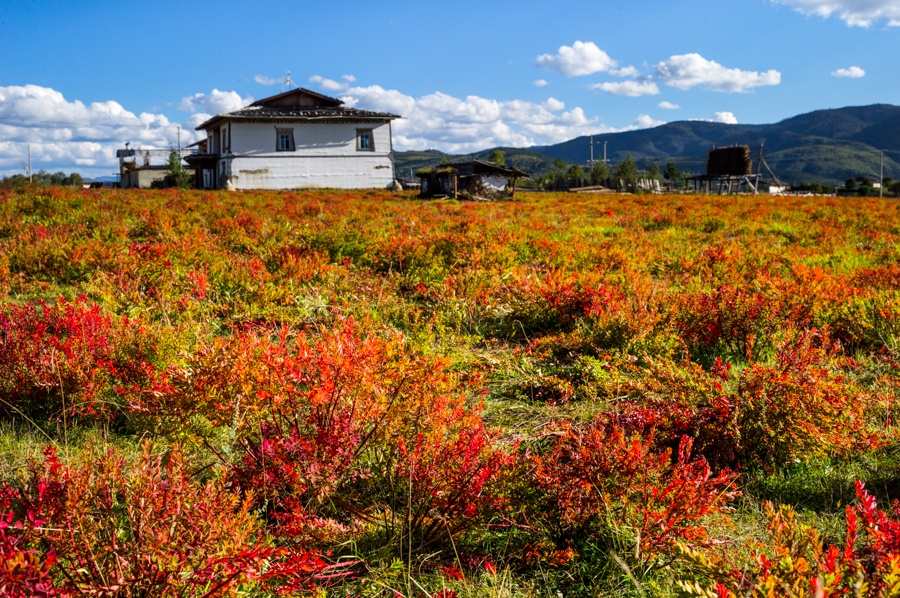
x=297 y=139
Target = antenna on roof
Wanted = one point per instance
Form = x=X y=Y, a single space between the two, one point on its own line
x=287 y=82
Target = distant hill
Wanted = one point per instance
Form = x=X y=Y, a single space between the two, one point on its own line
x=826 y=146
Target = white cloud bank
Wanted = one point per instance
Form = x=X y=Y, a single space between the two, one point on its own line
x=456 y=125
x=854 y=72
x=684 y=71
x=214 y=102
x=856 y=13
x=693 y=70
x=72 y=136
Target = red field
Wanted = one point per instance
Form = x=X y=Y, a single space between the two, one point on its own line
x=221 y=394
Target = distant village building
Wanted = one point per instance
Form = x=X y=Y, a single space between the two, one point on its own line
x=144 y=168
x=478 y=179
x=296 y=139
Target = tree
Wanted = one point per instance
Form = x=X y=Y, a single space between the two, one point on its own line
x=559 y=168
x=575 y=173
x=626 y=170
x=41 y=177
x=850 y=184
x=599 y=173
x=497 y=158
x=74 y=180
x=671 y=174
x=177 y=176
x=653 y=171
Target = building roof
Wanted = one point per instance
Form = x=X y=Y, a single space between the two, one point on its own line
x=299 y=105
x=482 y=167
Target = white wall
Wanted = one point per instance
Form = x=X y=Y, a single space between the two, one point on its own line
x=298 y=172
x=310 y=139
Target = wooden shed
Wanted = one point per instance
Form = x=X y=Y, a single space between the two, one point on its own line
x=478 y=180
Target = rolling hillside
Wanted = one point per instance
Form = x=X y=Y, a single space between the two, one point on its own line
x=826 y=146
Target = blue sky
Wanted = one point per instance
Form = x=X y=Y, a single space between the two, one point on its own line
x=78 y=79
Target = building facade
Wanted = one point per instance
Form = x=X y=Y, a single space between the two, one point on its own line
x=294 y=140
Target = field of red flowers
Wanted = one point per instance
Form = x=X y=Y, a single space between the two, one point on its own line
x=360 y=393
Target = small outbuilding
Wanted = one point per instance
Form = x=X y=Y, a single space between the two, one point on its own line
x=477 y=179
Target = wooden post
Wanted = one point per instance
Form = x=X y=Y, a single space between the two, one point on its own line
x=514 y=187
x=455 y=186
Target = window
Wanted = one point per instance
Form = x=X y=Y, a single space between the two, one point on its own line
x=225 y=144
x=284 y=140
x=365 y=141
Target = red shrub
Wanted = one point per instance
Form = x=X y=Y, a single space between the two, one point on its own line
x=728 y=318
x=603 y=484
x=67 y=359
x=796 y=562
x=139 y=529
x=24 y=571
x=447 y=482
x=800 y=407
x=327 y=431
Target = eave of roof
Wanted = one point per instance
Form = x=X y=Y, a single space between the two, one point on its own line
x=494 y=167
x=254 y=112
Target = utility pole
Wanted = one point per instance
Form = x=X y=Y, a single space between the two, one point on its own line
x=179 y=141
x=29 y=163
x=604 y=152
x=592 y=150
x=881 y=185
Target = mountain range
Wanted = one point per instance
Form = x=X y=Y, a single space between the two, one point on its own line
x=824 y=146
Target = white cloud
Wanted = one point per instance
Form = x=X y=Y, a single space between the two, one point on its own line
x=644 y=121
x=632 y=88
x=553 y=104
x=331 y=84
x=856 y=13
x=540 y=83
x=264 y=80
x=692 y=70
x=665 y=105
x=72 y=136
x=854 y=72
x=727 y=118
x=628 y=71
x=581 y=58
x=215 y=102
x=349 y=78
